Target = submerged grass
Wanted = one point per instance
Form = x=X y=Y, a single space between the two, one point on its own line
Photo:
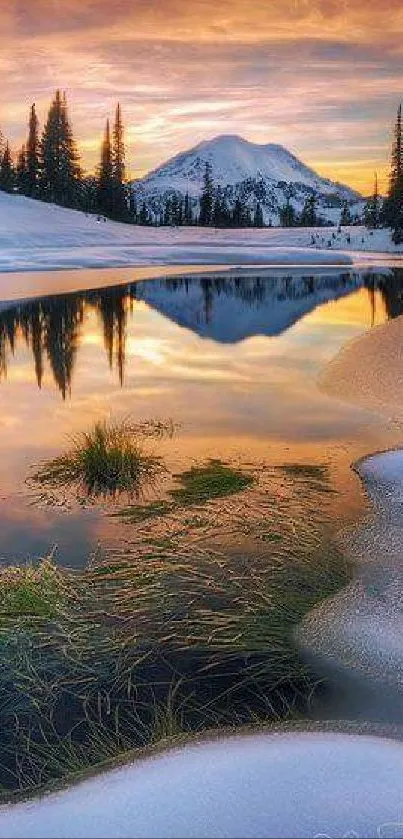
x=208 y=481
x=30 y=592
x=109 y=460
x=215 y=479
x=182 y=638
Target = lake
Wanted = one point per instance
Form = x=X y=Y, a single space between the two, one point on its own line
x=231 y=357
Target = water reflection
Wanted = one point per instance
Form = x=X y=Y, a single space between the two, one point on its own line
x=232 y=358
x=226 y=309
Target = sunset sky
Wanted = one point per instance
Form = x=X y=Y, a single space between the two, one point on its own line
x=322 y=77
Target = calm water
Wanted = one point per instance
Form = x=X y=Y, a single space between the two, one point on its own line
x=233 y=358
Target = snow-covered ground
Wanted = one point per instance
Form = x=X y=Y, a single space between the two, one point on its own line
x=369 y=371
x=360 y=630
x=36 y=236
x=267 y=785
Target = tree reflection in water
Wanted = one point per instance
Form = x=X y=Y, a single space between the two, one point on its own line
x=53 y=327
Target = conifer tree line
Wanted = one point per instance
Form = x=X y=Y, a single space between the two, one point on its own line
x=48 y=168
x=388 y=212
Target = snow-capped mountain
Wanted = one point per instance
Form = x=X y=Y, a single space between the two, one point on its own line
x=265 y=173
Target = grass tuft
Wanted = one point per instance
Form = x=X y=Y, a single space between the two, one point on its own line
x=213 y=480
x=31 y=591
x=107 y=461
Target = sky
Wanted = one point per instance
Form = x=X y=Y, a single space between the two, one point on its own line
x=322 y=77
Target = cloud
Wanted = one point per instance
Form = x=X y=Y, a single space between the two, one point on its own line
x=319 y=76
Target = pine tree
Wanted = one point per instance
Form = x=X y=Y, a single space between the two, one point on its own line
x=237 y=214
x=21 y=172
x=174 y=210
x=71 y=170
x=207 y=198
x=345 y=216
x=120 y=210
x=372 y=207
x=187 y=211
x=308 y=216
x=7 y=178
x=32 y=154
x=106 y=186
x=2 y=144
x=393 y=206
x=89 y=194
x=258 y=220
x=133 y=212
x=60 y=169
x=287 y=214
x=218 y=210
x=167 y=212
x=144 y=218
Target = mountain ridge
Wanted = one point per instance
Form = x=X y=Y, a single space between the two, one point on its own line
x=267 y=173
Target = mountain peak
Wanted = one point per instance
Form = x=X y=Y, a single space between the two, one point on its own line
x=257 y=171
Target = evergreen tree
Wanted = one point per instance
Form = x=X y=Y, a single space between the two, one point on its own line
x=237 y=214
x=21 y=172
x=60 y=169
x=144 y=218
x=106 y=186
x=308 y=216
x=133 y=212
x=89 y=194
x=32 y=154
x=258 y=220
x=393 y=206
x=120 y=209
x=7 y=179
x=218 y=218
x=167 y=212
x=207 y=198
x=246 y=217
x=187 y=211
x=345 y=216
x=174 y=210
x=372 y=208
x=287 y=214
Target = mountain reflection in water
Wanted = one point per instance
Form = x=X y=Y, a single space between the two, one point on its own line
x=226 y=309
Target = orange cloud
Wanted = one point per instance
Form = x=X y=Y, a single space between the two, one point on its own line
x=320 y=76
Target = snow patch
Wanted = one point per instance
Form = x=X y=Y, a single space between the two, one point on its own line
x=267 y=785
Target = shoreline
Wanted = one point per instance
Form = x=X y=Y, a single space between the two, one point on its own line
x=17 y=286
x=248 y=255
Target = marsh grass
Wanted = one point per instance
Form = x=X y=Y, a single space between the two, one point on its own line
x=31 y=591
x=180 y=638
x=207 y=481
x=215 y=479
x=107 y=461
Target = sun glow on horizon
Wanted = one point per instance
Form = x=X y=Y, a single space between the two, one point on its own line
x=319 y=77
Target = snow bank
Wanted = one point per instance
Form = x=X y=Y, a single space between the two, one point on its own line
x=360 y=630
x=369 y=371
x=38 y=236
x=268 y=785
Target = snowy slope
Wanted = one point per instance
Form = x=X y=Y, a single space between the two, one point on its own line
x=253 y=172
x=41 y=237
